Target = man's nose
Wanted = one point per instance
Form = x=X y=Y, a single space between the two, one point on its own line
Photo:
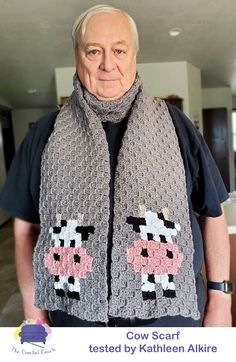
x=107 y=63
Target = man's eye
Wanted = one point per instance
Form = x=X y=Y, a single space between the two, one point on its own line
x=120 y=51
x=93 y=52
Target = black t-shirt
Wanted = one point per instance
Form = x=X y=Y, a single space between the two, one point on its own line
x=205 y=188
x=114 y=135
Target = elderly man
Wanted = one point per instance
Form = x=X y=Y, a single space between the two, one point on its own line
x=127 y=197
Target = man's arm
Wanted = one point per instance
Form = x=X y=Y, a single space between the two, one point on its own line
x=217 y=262
x=26 y=235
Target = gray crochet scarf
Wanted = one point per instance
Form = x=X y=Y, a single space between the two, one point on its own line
x=152 y=254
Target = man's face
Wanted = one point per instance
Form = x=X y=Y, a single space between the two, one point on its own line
x=106 y=58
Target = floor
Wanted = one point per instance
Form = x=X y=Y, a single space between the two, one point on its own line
x=11 y=314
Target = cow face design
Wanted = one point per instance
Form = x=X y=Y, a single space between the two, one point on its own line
x=155 y=255
x=68 y=260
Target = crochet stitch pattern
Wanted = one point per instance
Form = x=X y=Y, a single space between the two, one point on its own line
x=75 y=177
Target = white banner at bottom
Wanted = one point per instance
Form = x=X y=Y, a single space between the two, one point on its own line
x=118 y=344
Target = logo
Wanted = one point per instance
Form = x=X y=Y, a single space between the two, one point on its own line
x=33 y=337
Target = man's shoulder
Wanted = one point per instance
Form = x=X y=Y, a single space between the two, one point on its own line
x=180 y=118
x=46 y=121
x=185 y=129
x=42 y=128
x=37 y=137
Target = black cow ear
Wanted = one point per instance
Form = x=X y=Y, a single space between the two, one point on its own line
x=161 y=216
x=56 y=229
x=135 y=221
x=130 y=220
x=91 y=229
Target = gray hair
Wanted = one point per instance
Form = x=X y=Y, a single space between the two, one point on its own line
x=80 y=24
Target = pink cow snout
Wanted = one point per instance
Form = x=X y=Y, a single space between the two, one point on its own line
x=68 y=261
x=150 y=257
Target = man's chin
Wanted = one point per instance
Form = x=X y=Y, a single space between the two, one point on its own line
x=109 y=95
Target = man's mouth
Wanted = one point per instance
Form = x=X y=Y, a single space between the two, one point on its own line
x=108 y=80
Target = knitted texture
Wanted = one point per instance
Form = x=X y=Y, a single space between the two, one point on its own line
x=152 y=254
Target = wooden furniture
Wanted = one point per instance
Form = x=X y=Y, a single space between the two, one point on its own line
x=63 y=101
x=175 y=100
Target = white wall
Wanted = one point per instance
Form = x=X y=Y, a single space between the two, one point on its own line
x=164 y=79
x=217 y=98
x=64 y=82
x=234 y=102
x=195 y=95
x=21 y=119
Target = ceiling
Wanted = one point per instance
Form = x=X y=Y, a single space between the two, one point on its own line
x=35 y=38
